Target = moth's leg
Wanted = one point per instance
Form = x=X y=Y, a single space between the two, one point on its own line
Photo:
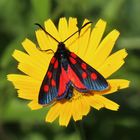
x=45 y=50
x=69 y=92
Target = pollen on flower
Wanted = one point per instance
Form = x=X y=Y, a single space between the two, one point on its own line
x=76 y=96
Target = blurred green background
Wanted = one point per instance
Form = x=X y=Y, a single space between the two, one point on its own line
x=17 y=18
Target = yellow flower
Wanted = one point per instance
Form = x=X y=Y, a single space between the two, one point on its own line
x=89 y=46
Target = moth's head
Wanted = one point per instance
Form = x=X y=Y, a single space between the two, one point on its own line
x=61 y=45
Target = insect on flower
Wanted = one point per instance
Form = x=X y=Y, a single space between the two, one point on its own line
x=67 y=75
x=67 y=71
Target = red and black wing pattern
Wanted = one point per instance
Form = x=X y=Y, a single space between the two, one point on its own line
x=83 y=76
x=55 y=83
x=58 y=81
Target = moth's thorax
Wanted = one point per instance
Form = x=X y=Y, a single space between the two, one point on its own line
x=63 y=54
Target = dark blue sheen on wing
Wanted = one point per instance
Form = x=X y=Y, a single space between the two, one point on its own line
x=69 y=93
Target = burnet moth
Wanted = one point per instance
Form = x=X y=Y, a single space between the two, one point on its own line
x=66 y=72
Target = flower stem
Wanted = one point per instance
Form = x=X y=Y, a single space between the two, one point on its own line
x=79 y=128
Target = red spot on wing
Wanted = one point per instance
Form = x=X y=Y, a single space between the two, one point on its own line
x=46 y=88
x=93 y=76
x=49 y=74
x=63 y=81
x=53 y=83
x=56 y=64
x=84 y=75
x=84 y=66
x=73 y=55
x=72 y=60
x=75 y=79
x=53 y=60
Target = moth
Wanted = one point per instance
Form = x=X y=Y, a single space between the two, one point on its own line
x=66 y=72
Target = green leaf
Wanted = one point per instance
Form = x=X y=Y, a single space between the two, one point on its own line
x=6 y=57
x=17 y=110
x=129 y=43
x=112 y=9
x=41 y=9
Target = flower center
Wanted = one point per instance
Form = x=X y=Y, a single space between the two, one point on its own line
x=77 y=95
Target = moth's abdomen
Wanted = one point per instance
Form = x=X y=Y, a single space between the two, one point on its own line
x=64 y=63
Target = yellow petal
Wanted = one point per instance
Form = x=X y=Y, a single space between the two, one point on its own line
x=84 y=39
x=85 y=108
x=104 y=49
x=91 y=100
x=22 y=79
x=72 y=42
x=21 y=56
x=95 y=38
x=113 y=63
x=33 y=66
x=33 y=61
x=29 y=95
x=35 y=54
x=23 y=82
x=54 y=112
x=19 y=85
x=76 y=110
x=115 y=85
x=65 y=114
x=29 y=46
x=34 y=105
x=107 y=103
x=51 y=29
x=45 y=41
x=63 y=28
x=33 y=71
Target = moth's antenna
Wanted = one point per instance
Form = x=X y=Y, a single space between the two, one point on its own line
x=47 y=32
x=66 y=38
x=77 y=31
